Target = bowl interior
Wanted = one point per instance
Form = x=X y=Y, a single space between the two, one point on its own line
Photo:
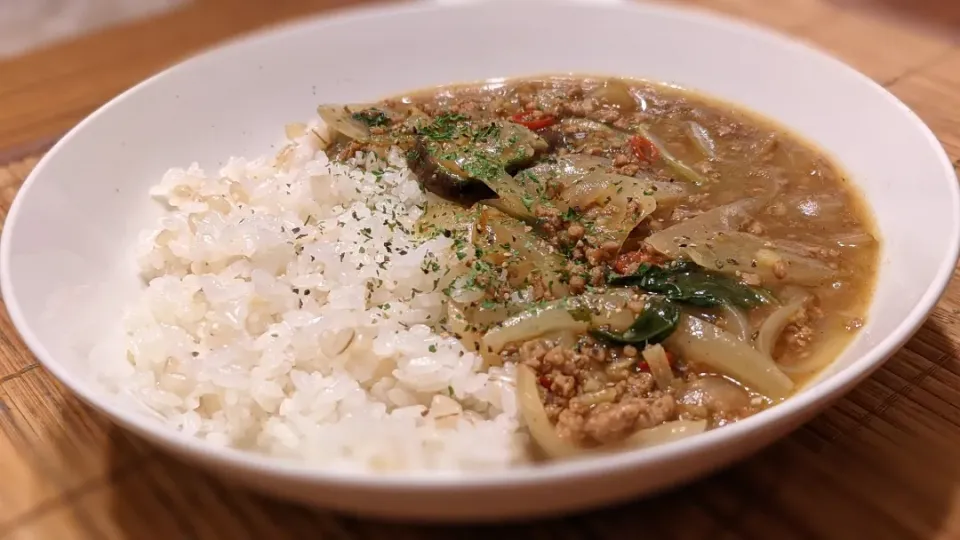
x=67 y=257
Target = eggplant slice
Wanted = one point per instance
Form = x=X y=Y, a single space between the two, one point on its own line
x=465 y=161
x=444 y=178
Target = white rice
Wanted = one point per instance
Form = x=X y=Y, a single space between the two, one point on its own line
x=290 y=311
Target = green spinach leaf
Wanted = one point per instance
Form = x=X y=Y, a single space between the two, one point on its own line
x=687 y=283
x=655 y=323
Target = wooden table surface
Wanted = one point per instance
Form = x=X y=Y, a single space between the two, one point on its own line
x=883 y=463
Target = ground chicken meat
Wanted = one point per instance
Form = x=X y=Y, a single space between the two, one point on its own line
x=798 y=336
x=563 y=385
x=630 y=169
x=349 y=151
x=577 y=284
x=751 y=279
x=612 y=422
x=637 y=385
x=800 y=332
x=566 y=374
x=570 y=425
x=780 y=269
x=549 y=219
x=607 y=116
x=755 y=227
x=532 y=353
x=621 y=159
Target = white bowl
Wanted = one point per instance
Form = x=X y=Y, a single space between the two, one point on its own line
x=66 y=249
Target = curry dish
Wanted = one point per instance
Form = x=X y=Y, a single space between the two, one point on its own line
x=655 y=263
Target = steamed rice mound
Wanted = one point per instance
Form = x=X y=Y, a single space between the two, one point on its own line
x=291 y=310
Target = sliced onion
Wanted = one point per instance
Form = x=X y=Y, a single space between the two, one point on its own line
x=339 y=118
x=466 y=295
x=542 y=431
x=704 y=343
x=817 y=206
x=615 y=94
x=663 y=192
x=584 y=125
x=527 y=326
x=482 y=316
x=773 y=325
x=660 y=368
x=597 y=186
x=578 y=164
x=815 y=362
x=530 y=255
x=565 y=171
x=810 y=365
x=608 y=197
x=600 y=309
x=701 y=138
x=736 y=321
x=512 y=206
x=589 y=190
x=564 y=339
x=607 y=395
x=854 y=239
x=617 y=226
x=680 y=168
x=733 y=252
x=665 y=432
x=607 y=310
x=441 y=215
x=823 y=355
x=714 y=393
x=673 y=240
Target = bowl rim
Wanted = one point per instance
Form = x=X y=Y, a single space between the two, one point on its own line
x=790 y=412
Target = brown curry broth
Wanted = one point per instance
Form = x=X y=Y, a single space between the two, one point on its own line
x=753 y=155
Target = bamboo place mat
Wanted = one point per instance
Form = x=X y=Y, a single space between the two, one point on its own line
x=883 y=463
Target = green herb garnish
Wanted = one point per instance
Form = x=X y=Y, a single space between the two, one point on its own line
x=443 y=128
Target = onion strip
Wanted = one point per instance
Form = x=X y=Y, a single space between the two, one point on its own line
x=529 y=255
x=598 y=309
x=682 y=169
x=825 y=354
x=528 y=326
x=607 y=395
x=701 y=138
x=854 y=239
x=736 y=321
x=674 y=240
x=614 y=195
x=774 y=261
x=704 y=343
x=773 y=326
x=664 y=433
x=542 y=431
x=659 y=365
x=339 y=118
